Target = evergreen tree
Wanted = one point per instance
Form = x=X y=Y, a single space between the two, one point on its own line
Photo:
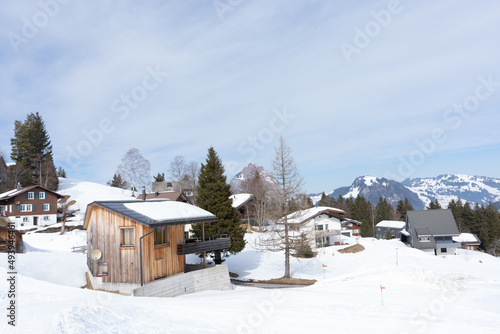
x=491 y=224
x=214 y=196
x=4 y=175
x=467 y=216
x=327 y=201
x=457 y=209
x=31 y=149
x=61 y=172
x=159 y=177
x=403 y=207
x=383 y=210
x=388 y=236
x=362 y=212
x=434 y=205
x=118 y=182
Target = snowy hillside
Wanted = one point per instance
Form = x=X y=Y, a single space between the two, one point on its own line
x=87 y=192
x=421 y=191
x=474 y=189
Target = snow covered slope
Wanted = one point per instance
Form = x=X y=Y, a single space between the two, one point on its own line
x=421 y=191
x=422 y=294
x=474 y=189
x=84 y=192
x=246 y=173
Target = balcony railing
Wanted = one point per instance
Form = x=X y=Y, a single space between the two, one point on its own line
x=192 y=246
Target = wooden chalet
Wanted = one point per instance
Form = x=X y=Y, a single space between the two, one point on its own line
x=141 y=241
x=29 y=206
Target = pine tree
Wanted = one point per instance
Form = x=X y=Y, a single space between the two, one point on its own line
x=403 y=207
x=118 y=182
x=31 y=149
x=4 y=175
x=434 y=205
x=213 y=195
x=159 y=177
x=388 y=236
x=327 y=201
x=383 y=210
x=61 y=172
x=362 y=212
x=457 y=209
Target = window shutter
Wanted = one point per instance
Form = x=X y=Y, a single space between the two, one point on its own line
x=19 y=208
x=36 y=195
x=26 y=195
x=50 y=207
x=32 y=207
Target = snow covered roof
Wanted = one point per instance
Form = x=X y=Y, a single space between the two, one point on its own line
x=15 y=192
x=391 y=224
x=303 y=215
x=156 y=212
x=467 y=238
x=240 y=199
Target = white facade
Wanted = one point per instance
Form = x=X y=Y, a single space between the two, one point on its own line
x=327 y=230
x=23 y=222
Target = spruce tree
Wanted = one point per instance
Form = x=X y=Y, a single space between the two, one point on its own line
x=159 y=178
x=118 y=182
x=31 y=149
x=403 y=207
x=213 y=195
x=434 y=205
x=383 y=210
x=4 y=175
x=362 y=212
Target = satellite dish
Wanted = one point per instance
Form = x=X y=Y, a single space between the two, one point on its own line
x=96 y=254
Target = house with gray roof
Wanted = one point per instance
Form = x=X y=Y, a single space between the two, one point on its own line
x=132 y=243
x=431 y=231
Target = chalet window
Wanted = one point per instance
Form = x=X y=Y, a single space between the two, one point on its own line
x=443 y=250
x=46 y=218
x=30 y=195
x=26 y=219
x=41 y=195
x=11 y=208
x=189 y=193
x=46 y=207
x=424 y=239
x=320 y=227
x=161 y=235
x=102 y=269
x=127 y=237
x=26 y=207
x=326 y=227
x=2 y=209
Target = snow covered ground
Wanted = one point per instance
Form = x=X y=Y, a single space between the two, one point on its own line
x=422 y=293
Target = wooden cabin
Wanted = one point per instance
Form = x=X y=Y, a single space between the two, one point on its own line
x=141 y=241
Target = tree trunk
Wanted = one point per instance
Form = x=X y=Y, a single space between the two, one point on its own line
x=287 y=252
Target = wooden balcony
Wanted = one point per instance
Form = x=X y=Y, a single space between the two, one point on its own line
x=192 y=246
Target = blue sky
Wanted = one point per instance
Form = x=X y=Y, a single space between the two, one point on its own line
x=385 y=88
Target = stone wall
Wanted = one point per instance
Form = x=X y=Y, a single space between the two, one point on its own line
x=215 y=278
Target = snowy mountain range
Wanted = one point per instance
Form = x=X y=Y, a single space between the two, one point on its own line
x=421 y=191
x=246 y=173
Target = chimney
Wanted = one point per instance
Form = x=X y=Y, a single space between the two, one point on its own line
x=143 y=193
x=19 y=186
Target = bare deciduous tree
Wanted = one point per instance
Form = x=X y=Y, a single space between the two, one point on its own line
x=66 y=210
x=287 y=231
x=177 y=169
x=256 y=186
x=135 y=170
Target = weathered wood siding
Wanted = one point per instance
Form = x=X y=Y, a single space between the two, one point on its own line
x=103 y=233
